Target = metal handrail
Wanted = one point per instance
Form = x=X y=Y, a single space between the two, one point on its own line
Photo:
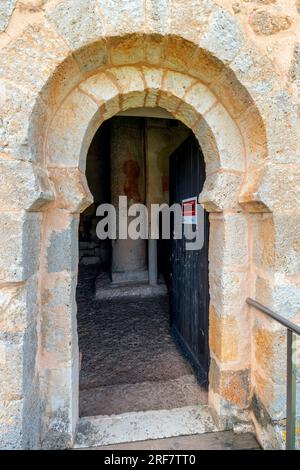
x=291 y=370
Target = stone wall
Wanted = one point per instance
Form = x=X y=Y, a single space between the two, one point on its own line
x=227 y=69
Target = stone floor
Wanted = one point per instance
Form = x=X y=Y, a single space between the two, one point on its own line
x=129 y=361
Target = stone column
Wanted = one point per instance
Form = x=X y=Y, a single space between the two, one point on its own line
x=129 y=257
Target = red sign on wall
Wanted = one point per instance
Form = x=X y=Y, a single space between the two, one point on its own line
x=189 y=210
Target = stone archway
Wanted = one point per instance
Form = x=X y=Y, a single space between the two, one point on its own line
x=75 y=122
x=53 y=104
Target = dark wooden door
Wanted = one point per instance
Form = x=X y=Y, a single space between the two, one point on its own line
x=188 y=284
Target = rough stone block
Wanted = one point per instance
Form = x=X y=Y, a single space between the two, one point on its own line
x=286 y=241
x=16 y=105
x=131 y=85
x=189 y=19
x=17 y=367
x=18 y=306
x=263 y=241
x=208 y=146
x=279 y=294
x=71 y=133
x=178 y=85
x=253 y=131
x=282 y=126
x=223 y=37
x=228 y=138
x=246 y=65
x=59 y=328
x=157 y=13
x=153 y=80
x=265 y=23
x=228 y=290
x=126 y=50
x=24 y=60
x=11 y=425
x=229 y=240
x=6 y=9
x=224 y=336
x=278 y=187
x=78 y=21
x=128 y=17
x=20 y=243
x=23 y=186
x=232 y=385
x=61 y=413
x=197 y=101
x=62 y=242
x=220 y=191
x=72 y=192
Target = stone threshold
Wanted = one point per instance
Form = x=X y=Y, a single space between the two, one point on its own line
x=103 y=430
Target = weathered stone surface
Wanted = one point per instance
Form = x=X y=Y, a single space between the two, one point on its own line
x=153 y=80
x=278 y=187
x=59 y=422
x=270 y=368
x=283 y=132
x=18 y=363
x=157 y=14
x=11 y=416
x=199 y=100
x=287 y=243
x=190 y=19
x=224 y=336
x=128 y=50
x=245 y=67
x=131 y=85
x=229 y=240
x=72 y=192
x=6 y=9
x=90 y=58
x=228 y=138
x=254 y=137
x=294 y=71
x=223 y=37
x=127 y=17
x=20 y=245
x=62 y=241
x=32 y=6
x=232 y=386
x=29 y=49
x=279 y=294
x=228 y=290
x=264 y=23
x=72 y=131
x=220 y=191
x=208 y=146
x=18 y=306
x=78 y=21
x=23 y=186
x=15 y=115
x=59 y=334
x=263 y=239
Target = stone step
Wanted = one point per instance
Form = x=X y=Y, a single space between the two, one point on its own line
x=143 y=396
x=140 y=426
x=221 y=440
x=105 y=289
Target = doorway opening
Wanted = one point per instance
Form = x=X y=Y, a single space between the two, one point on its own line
x=142 y=304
